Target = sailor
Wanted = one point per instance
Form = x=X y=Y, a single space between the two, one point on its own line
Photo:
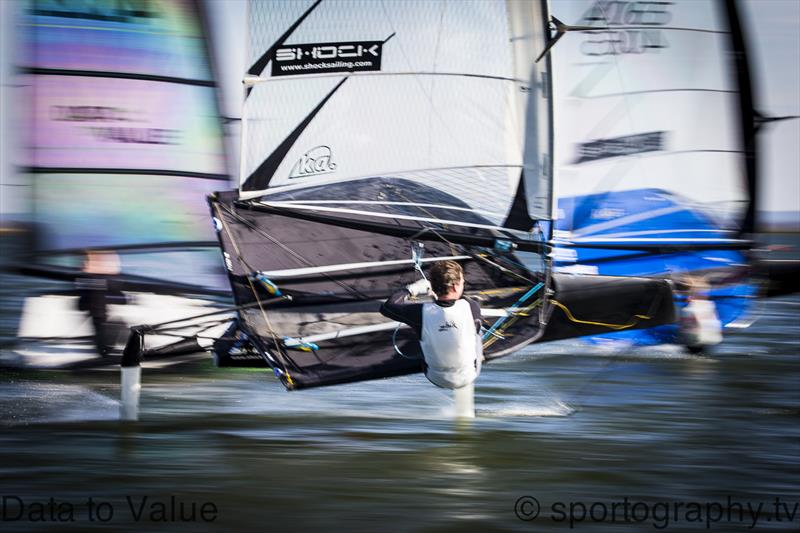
x=700 y=326
x=448 y=329
x=97 y=288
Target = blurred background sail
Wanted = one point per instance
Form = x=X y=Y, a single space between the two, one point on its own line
x=123 y=135
x=655 y=144
x=118 y=122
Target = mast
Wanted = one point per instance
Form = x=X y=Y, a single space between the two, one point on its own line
x=747 y=109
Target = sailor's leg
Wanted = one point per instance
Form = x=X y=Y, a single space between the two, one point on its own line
x=465 y=401
x=101 y=336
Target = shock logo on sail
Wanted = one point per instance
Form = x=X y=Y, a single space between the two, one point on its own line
x=318 y=160
x=327 y=57
x=620 y=146
x=630 y=27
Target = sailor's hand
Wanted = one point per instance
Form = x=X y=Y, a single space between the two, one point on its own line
x=419 y=287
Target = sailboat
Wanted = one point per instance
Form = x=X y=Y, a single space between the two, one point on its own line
x=380 y=137
x=123 y=139
x=656 y=150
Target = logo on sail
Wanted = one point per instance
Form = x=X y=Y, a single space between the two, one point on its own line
x=630 y=27
x=315 y=58
x=620 y=146
x=317 y=161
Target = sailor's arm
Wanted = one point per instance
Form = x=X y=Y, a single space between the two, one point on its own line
x=397 y=307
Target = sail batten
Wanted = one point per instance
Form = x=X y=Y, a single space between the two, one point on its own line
x=394 y=216
x=251 y=80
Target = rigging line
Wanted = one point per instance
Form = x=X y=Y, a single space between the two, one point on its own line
x=508 y=260
x=203 y=326
x=655 y=91
x=463 y=249
x=278 y=352
x=482 y=257
x=572 y=318
x=293 y=253
x=608 y=28
x=184 y=336
x=427 y=212
x=150 y=327
x=252 y=80
x=521 y=300
x=498 y=333
x=290 y=203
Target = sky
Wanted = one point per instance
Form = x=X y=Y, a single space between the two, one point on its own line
x=773 y=28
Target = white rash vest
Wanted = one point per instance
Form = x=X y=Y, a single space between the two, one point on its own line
x=453 y=350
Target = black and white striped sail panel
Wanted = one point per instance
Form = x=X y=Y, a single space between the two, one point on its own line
x=304 y=255
x=651 y=98
x=338 y=275
x=442 y=93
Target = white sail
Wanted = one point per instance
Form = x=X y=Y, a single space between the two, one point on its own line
x=649 y=103
x=435 y=92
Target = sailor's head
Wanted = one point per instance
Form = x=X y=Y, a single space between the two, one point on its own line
x=101 y=262
x=447 y=279
x=697 y=287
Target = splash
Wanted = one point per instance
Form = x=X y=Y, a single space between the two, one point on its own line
x=40 y=403
x=552 y=408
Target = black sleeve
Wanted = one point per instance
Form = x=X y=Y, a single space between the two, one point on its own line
x=114 y=295
x=475 y=307
x=398 y=308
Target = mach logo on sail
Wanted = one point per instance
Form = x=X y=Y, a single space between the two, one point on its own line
x=619 y=18
x=317 y=161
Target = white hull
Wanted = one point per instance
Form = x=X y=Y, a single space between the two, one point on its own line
x=53 y=333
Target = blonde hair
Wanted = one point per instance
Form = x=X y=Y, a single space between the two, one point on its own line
x=445 y=275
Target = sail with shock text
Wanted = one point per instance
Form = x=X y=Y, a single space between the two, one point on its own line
x=446 y=95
